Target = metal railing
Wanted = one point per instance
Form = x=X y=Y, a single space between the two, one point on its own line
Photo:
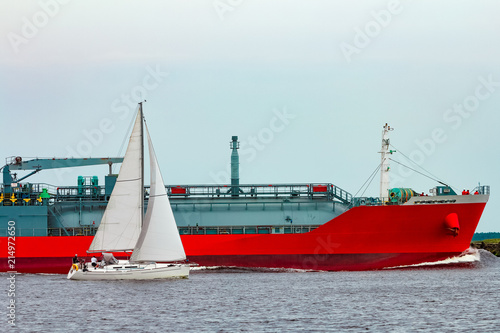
x=484 y=189
x=366 y=201
x=197 y=230
x=97 y=192
x=85 y=192
x=38 y=232
x=26 y=194
x=247 y=230
x=262 y=190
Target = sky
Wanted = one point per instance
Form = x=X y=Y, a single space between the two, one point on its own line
x=306 y=85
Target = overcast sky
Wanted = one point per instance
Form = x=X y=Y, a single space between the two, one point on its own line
x=306 y=85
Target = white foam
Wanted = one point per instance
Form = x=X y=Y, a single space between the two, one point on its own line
x=250 y=269
x=468 y=256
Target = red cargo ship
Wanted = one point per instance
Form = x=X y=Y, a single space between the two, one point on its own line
x=275 y=226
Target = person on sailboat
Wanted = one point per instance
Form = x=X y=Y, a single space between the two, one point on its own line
x=76 y=263
x=94 y=261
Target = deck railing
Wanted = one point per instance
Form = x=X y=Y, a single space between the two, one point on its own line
x=97 y=192
x=195 y=230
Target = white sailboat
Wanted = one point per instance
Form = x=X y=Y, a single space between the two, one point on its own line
x=153 y=238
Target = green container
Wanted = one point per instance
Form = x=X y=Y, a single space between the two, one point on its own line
x=401 y=195
x=45 y=194
x=81 y=184
x=445 y=190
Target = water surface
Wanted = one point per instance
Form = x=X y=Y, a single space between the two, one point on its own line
x=451 y=297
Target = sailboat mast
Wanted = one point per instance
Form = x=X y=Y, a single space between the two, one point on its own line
x=142 y=164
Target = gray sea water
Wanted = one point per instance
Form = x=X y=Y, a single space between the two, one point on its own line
x=455 y=296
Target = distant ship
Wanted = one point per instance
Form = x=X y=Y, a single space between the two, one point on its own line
x=300 y=226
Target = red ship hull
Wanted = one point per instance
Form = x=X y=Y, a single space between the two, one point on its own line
x=363 y=238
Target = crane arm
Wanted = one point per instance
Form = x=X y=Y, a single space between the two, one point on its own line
x=38 y=164
x=56 y=163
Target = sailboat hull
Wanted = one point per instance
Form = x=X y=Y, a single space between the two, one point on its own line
x=127 y=271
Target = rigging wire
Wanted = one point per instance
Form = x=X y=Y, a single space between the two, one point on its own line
x=437 y=179
x=373 y=177
x=434 y=179
x=412 y=161
x=370 y=179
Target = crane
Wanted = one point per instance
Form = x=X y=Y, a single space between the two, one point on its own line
x=38 y=164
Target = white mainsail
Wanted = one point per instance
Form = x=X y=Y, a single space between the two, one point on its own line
x=121 y=223
x=123 y=226
x=159 y=239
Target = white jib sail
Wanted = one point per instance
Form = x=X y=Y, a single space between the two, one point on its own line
x=159 y=239
x=121 y=223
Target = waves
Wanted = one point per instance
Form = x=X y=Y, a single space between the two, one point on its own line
x=471 y=258
x=224 y=269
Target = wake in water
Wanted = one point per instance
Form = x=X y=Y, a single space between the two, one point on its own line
x=471 y=258
x=226 y=269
